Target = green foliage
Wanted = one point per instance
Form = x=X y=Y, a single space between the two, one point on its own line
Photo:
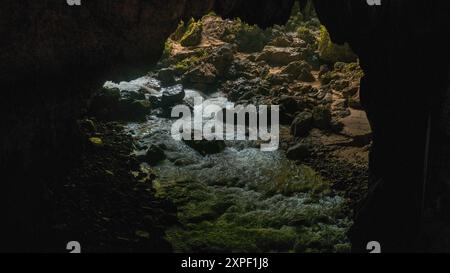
x=193 y=34
x=332 y=53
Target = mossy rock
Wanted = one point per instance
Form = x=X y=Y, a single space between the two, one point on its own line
x=249 y=39
x=331 y=52
x=321 y=117
x=193 y=34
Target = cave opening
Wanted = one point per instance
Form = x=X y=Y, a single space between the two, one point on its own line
x=99 y=165
x=229 y=195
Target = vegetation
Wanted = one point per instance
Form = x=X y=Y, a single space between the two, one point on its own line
x=193 y=34
x=332 y=53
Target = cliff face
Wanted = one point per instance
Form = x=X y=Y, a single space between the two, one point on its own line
x=53 y=55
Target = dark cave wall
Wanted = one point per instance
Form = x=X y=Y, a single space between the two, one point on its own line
x=53 y=56
x=403 y=50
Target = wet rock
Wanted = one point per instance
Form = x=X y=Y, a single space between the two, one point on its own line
x=299 y=151
x=302 y=124
x=171 y=95
x=154 y=155
x=279 y=56
x=206 y=147
x=132 y=95
x=129 y=109
x=166 y=76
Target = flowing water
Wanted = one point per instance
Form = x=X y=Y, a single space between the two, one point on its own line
x=242 y=199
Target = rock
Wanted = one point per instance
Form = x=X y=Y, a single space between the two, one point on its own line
x=340 y=85
x=355 y=103
x=248 y=38
x=282 y=41
x=340 y=104
x=299 y=70
x=302 y=124
x=222 y=59
x=87 y=126
x=104 y=103
x=193 y=35
x=170 y=96
x=350 y=91
x=278 y=56
x=321 y=117
x=206 y=147
x=154 y=155
x=202 y=74
x=166 y=76
x=96 y=141
x=294 y=69
x=288 y=104
x=132 y=95
x=299 y=151
x=129 y=109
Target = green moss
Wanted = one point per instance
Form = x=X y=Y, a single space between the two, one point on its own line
x=168 y=47
x=193 y=34
x=332 y=53
x=179 y=32
x=188 y=63
x=305 y=181
x=223 y=236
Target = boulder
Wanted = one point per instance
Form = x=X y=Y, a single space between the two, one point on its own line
x=279 y=56
x=288 y=104
x=302 y=124
x=206 y=147
x=166 y=76
x=222 y=59
x=299 y=70
x=170 y=96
